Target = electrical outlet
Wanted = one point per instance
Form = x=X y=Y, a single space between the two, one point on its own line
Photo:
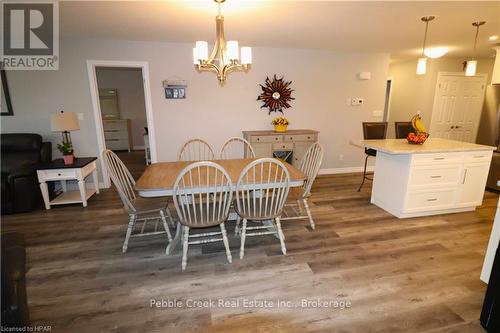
x=377 y=113
x=80 y=116
x=356 y=101
x=341 y=157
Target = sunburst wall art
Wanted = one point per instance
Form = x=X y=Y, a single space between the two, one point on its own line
x=276 y=94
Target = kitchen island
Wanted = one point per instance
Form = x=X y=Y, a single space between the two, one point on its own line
x=439 y=177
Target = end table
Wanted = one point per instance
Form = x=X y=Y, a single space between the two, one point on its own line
x=58 y=171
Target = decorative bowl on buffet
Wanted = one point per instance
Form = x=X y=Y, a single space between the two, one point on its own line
x=280 y=124
x=419 y=133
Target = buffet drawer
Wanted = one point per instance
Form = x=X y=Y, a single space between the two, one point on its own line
x=115 y=134
x=443 y=174
x=121 y=124
x=430 y=200
x=266 y=138
x=300 y=137
x=283 y=145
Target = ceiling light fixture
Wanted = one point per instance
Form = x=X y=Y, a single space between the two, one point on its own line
x=422 y=61
x=493 y=38
x=436 y=52
x=470 y=69
x=225 y=56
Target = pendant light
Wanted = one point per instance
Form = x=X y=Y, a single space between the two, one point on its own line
x=422 y=61
x=470 y=69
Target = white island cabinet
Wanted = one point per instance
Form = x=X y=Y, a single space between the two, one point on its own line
x=441 y=176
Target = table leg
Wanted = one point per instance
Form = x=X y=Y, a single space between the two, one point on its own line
x=63 y=185
x=83 y=194
x=96 y=181
x=175 y=241
x=45 y=194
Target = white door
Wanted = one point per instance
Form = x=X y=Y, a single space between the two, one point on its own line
x=457 y=106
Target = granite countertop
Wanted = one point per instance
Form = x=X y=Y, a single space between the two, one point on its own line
x=432 y=145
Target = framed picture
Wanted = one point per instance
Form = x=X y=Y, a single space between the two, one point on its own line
x=5 y=102
x=175 y=92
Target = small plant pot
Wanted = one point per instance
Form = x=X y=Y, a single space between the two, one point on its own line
x=280 y=128
x=69 y=159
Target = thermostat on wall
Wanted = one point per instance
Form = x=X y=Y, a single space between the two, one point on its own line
x=365 y=75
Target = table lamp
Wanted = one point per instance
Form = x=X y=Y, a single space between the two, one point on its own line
x=64 y=122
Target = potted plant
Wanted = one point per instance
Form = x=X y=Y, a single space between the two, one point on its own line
x=280 y=124
x=66 y=149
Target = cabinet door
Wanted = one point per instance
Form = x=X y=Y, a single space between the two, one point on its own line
x=299 y=151
x=263 y=149
x=472 y=185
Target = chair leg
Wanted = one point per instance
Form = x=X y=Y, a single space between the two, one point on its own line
x=299 y=206
x=243 y=233
x=226 y=243
x=364 y=174
x=185 y=244
x=281 y=236
x=165 y=224
x=309 y=215
x=237 y=228
x=169 y=215
x=131 y=225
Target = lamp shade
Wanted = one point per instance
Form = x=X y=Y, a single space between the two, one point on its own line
x=64 y=121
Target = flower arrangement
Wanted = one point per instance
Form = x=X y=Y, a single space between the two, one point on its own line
x=280 y=124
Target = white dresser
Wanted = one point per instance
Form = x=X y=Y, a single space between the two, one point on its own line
x=441 y=176
x=117 y=134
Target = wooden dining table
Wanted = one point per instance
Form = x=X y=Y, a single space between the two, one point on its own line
x=158 y=180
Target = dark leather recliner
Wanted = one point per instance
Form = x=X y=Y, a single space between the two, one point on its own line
x=15 y=312
x=21 y=153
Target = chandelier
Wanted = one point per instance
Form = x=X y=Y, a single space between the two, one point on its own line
x=225 y=56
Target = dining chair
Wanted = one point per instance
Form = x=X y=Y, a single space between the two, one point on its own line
x=372 y=131
x=309 y=165
x=261 y=193
x=196 y=150
x=236 y=147
x=402 y=129
x=139 y=209
x=202 y=197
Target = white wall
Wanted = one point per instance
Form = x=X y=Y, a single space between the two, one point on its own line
x=411 y=92
x=128 y=81
x=322 y=81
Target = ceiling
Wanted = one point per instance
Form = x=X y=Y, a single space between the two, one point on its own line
x=351 y=26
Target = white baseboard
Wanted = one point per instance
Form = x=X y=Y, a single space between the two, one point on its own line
x=331 y=171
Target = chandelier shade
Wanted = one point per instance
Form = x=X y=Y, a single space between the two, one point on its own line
x=225 y=56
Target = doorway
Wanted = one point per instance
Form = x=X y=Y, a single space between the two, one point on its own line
x=122 y=112
x=387 y=102
x=458 y=103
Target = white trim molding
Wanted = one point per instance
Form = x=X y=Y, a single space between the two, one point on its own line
x=144 y=66
x=332 y=171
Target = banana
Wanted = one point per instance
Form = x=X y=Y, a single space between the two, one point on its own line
x=417 y=124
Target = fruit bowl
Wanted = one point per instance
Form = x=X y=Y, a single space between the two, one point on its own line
x=417 y=138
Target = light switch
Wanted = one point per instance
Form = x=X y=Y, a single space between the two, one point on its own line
x=80 y=116
x=377 y=113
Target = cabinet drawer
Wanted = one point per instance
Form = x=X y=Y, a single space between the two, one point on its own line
x=430 y=200
x=117 y=144
x=422 y=176
x=115 y=125
x=283 y=146
x=479 y=156
x=433 y=159
x=115 y=134
x=59 y=174
x=266 y=138
x=301 y=137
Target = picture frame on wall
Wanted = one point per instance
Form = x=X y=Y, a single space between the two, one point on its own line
x=175 y=92
x=5 y=102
